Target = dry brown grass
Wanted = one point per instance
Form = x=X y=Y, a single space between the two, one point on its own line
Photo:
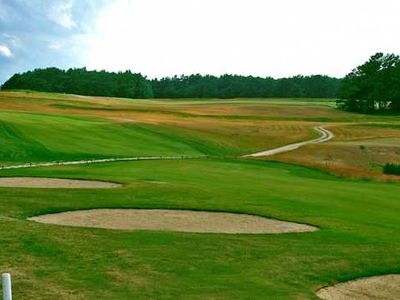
x=263 y=110
x=356 y=152
x=363 y=132
x=219 y=108
x=243 y=137
x=240 y=136
x=241 y=128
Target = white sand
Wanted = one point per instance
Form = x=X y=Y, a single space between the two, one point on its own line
x=172 y=220
x=386 y=287
x=37 y=182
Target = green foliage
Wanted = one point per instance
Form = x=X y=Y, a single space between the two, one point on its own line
x=373 y=87
x=130 y=85
x=391 y=169
x=82 y=82
x=235 y=86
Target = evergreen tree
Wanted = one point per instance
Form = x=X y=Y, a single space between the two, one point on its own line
x=373 y=87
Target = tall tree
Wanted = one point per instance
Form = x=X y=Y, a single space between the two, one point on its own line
x=373 y=87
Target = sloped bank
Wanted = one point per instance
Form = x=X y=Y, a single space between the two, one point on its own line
x=172 y=220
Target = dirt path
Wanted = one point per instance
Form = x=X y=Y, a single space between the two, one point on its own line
x=92 y=161
x=326 y=135
x=172 y=220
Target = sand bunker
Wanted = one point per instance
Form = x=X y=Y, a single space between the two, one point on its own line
x=172 y=220
x=36 y=182
x=378 y=287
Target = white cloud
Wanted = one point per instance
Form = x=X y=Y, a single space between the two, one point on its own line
x=60 y=12
x=55 y=45
x=5 y=51
x=258 y=37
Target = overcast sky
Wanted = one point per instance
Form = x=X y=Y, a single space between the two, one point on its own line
x=276 y=38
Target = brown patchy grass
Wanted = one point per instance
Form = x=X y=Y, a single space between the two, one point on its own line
x=363 y=132
x=241 y=109
x=263 y=110
x=356 y=152
x=235 y=135
x=359 y=149
x=243 y=137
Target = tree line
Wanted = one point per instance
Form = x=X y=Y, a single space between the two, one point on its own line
x=235 y=86
x=135 y=85
x=373 y=87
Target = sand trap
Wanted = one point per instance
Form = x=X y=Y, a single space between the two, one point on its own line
x=378 y=287
x=37 y=182
x=172 y=220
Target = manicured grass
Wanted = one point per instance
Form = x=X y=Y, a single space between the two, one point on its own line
x=28 y=137
x=358 y=221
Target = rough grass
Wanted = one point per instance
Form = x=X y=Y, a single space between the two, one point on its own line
x=313 y=110
x=358 y=151
x=214 y=136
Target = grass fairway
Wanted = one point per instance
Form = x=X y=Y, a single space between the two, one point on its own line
x=26 y=137
x=358 y=219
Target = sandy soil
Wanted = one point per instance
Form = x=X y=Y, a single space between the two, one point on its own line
x=385 y=287
x=172 y=220
x=36 y=182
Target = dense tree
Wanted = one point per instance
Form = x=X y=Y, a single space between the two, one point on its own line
x=82 y=82
x=233 y=86
x=373 y=87
x=130 y=85
x=391 y=169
